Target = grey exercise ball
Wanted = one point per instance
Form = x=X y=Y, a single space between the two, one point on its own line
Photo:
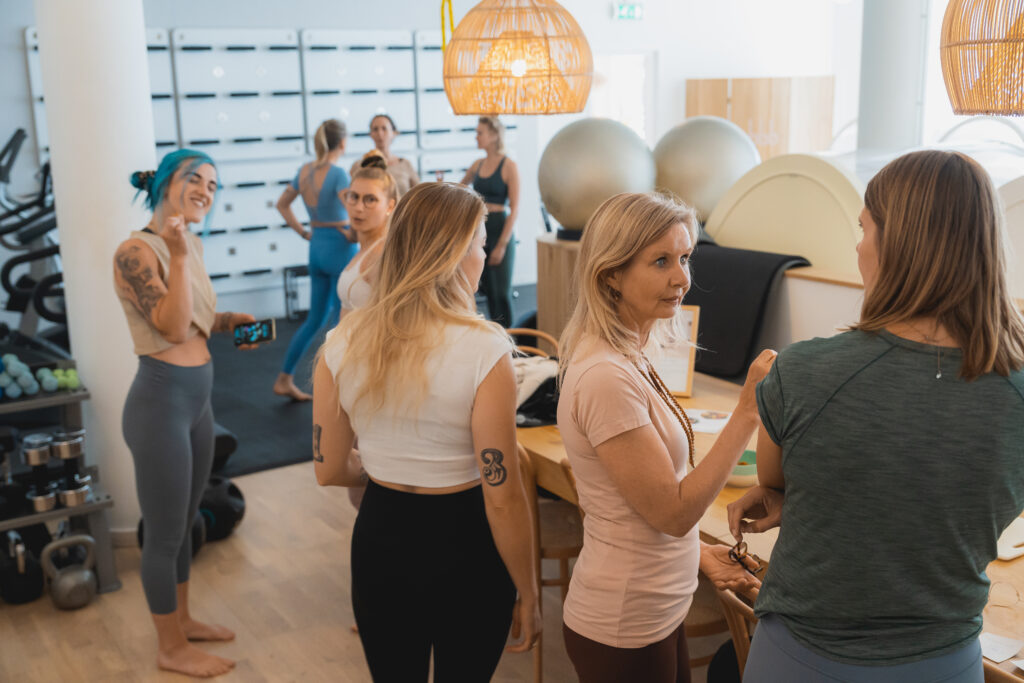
x=587 y=162
x=701 y=158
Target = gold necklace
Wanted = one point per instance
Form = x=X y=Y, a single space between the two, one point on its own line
x=938 y=349
x=661 y=390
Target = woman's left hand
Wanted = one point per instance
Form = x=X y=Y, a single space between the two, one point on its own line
x=724 y=572
x=236 y=319
x=497 y=255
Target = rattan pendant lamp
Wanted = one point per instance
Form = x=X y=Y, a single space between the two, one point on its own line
x=982 y=51
x=517 y=57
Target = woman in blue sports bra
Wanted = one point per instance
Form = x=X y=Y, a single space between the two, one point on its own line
x=332 y=245
x=496 y=179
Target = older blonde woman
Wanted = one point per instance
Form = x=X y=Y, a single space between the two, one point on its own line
x=631 y=448
x=441 y=544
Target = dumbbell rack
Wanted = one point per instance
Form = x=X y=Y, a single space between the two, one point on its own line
x=89 y=517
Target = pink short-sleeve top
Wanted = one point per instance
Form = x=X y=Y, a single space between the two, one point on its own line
x=632 y=584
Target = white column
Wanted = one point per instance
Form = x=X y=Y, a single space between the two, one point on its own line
x=100 y=120
x=892 y=74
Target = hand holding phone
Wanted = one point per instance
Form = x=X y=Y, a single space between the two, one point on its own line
x=255 y=332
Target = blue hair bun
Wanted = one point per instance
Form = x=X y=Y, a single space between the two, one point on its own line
x=154 y=183
x=142 y=180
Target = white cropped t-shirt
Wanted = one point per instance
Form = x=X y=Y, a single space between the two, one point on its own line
x=433 y=446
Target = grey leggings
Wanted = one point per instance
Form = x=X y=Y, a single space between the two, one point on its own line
x=776 y=657
x=168 y=425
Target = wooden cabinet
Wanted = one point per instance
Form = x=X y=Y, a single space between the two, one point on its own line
x=782 y=115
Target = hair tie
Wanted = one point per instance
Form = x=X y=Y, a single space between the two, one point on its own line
x=146 y=179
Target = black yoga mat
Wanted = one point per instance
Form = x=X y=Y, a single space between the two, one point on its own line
x=732 y=286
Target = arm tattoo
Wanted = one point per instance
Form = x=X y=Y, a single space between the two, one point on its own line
x=495 y=473
x=317 y=455
x=140 y=279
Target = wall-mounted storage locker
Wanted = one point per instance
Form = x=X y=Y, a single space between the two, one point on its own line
x=352 y=75
x=439 y=126
x=453 y=164
x=240 y=92
x=247 y=238
x=165 y=123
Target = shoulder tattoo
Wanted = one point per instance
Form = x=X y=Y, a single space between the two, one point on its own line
x=139 y=278
x=494 y=471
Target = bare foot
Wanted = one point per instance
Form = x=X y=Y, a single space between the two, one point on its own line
x=197 y=630
x=191 y=661
x=285 y=386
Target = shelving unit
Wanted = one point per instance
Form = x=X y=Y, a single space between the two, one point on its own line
x=90 y=517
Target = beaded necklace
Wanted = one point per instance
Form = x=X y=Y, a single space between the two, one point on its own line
x=661 y=390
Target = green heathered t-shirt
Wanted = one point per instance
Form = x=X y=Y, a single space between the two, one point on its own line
x=897 y=486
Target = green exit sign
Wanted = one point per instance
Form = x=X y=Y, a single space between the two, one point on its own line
x=628 y=10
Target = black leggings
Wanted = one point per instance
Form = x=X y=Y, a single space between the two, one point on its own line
x=427 y=577
x=496 y=281
x=168 y=426
x=666 y=661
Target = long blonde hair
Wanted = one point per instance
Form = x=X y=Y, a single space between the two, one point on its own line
x=942 y=253
x=329 y=136
x=420 y=288
x=621 y=228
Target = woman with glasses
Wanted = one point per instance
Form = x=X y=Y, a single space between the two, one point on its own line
x=893 y=453
x=370 y=200
x=321 y=185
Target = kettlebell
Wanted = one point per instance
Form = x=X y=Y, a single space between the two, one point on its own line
x=73 y=586
x=21 y=579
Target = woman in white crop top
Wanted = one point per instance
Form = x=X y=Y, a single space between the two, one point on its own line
x=370 y=199
x=427 y=385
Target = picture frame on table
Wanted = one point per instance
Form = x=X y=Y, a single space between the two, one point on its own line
x=675 y=364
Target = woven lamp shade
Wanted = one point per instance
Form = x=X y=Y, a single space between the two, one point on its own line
x=518 y=57
x=982 y=51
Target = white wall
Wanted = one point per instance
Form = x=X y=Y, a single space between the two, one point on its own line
x=686 y=39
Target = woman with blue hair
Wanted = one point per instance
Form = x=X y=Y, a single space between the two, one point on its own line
x=170 y=306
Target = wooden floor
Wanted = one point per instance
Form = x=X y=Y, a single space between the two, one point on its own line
x=281 y=581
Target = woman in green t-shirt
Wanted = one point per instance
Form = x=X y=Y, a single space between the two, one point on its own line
x=894 y=452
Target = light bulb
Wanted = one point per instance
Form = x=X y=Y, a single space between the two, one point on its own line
x=518 y=68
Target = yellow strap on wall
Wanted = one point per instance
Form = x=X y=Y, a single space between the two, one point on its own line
x=451 y=22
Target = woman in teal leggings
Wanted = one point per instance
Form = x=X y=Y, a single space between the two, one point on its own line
x=332 y=245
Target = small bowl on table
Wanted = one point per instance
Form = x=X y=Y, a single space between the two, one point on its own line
x=744 y=475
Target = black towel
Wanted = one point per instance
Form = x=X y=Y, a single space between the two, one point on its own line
x=732 y=286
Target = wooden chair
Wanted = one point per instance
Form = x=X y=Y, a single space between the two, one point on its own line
x=537 y=334
x=557 y=534
x=739 y=613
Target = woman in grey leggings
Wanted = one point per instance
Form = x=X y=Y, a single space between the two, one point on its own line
x=169 y=303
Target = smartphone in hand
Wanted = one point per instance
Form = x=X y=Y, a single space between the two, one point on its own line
x=255 y=333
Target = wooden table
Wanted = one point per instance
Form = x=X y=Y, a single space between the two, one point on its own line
x=547 y=450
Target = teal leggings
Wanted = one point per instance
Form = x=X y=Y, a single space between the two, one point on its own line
x=496 y=281
x=329 y=253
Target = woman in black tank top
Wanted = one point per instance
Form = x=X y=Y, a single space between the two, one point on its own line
x=496 y=178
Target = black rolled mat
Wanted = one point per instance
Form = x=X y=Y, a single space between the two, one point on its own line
x=732 y=286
